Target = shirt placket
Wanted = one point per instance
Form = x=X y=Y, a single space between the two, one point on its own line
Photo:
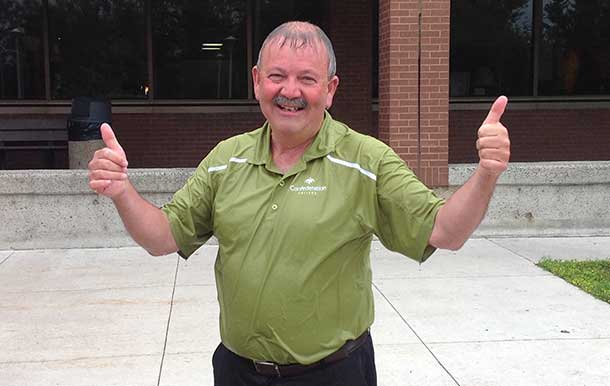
x=278 y=195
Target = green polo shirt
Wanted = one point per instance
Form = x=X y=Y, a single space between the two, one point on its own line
x=293 y=272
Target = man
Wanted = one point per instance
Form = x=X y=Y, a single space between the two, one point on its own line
x=294 y=206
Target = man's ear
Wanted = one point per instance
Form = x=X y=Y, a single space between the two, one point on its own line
x=333 y=84
x=255 y=80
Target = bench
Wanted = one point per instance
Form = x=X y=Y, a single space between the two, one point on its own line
x=48 y=135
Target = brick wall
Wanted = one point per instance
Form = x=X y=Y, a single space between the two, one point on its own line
x=398 y=72
x=177 y=140
x=541 y=135
x=424 y=148
x=152 y=140
x=349 y=29
x=434 y=91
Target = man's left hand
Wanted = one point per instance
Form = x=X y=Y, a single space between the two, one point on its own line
x=493 y=143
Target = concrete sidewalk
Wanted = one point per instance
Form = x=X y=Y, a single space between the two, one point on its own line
x=483 y=316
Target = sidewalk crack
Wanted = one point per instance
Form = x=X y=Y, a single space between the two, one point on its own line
x=6 y=258
x=511 y=251
x=169 y=318
x=417 y=335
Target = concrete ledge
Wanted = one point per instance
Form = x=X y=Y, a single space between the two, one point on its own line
x=71 y=182
x=56 y=208
x=541 y=173
x=545 y=199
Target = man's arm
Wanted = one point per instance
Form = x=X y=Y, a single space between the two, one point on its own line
x=465 y=209
x=146 y=224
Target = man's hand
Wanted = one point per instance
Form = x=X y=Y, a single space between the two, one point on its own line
x=464 y=210
x=493 y=143
x=108 y=168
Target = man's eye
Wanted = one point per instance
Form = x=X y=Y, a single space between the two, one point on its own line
x=308 y=80
x=275 y=77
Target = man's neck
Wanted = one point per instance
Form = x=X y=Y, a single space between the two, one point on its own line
x=282 y=143
x=287 y=152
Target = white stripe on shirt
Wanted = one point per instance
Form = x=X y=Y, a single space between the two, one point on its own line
x=352 y=165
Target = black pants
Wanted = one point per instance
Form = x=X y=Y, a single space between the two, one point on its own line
x=358 y=369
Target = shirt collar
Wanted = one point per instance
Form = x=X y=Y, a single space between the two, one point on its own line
x=328 y=136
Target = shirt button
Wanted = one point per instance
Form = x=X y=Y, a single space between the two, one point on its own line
x=282 y=183
x=274 y=206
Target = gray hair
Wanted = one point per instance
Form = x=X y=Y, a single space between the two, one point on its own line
x=299 y=34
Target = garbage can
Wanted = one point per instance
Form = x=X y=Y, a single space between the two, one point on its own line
x=84 y=136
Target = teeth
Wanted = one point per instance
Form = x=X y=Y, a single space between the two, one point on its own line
x=291 y=109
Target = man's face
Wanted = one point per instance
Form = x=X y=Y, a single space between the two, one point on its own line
x=293 y=88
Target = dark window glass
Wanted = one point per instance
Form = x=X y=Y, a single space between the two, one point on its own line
x=269 y=14
x=200 y=49
x=491 y=44
x=97 y=48
x=575 y=50
x=21 y=50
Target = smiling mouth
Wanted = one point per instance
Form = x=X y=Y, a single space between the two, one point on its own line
x=291 y=109
x=290 y=105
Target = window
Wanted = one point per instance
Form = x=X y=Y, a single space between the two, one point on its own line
x=200 y=49
x=97 y=48
x=575 y=48
x=491 y=47
x=530 y=48
x=137 y=49
x=21 y=50
x=269 y=14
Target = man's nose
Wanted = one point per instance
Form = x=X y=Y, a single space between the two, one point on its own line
x=291 y=89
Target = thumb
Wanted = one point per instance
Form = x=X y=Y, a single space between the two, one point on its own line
x=109 y=137
x=496 y=111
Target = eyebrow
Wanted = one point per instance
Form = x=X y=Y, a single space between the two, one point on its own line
x=278 y=69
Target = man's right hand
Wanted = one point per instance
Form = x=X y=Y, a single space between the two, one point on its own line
x=108 y=168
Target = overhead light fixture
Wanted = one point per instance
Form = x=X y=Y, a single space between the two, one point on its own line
x=211 y=46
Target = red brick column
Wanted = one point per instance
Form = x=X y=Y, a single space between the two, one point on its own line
x=349 y=28
x=413 y=95
x=434 y=91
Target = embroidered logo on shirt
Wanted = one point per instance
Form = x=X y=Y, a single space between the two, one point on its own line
x=308 y=189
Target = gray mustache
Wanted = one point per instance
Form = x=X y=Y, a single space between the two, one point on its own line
x=297 y=102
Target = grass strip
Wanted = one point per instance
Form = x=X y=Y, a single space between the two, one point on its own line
x=591 y=276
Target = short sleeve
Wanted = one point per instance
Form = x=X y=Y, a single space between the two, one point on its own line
x=406 y=209
x=190 y=212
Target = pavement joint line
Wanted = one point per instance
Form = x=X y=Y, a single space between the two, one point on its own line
x=195 y=285
x=189 y=352
x=417 y=335
x=542 y=274
x=520 y=340
x=6 y=258
x=511 y=251
x=169 y=318
x=79 y=248
x=55 y=290
x=79 y=359
x=491 y=341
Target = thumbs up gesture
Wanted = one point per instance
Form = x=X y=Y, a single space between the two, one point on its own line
x=108 y=168
x=493 y=143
